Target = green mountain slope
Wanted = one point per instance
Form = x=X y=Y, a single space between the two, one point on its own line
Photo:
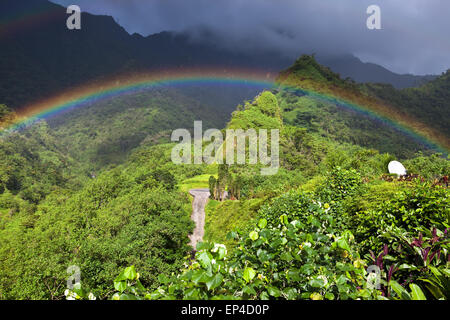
x=430 y=102
x=106 y=132
x=327 y=118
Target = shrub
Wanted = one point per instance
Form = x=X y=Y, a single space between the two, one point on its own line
x=340 y=183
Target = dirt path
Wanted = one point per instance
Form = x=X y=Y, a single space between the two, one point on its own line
x=201 y=197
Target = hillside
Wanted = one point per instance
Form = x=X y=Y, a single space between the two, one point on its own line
x=106 y=132
x=363 y=72
x=100 y=134
x=330 y=119
x=430 y=102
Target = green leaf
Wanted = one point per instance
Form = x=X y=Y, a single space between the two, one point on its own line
x=199 y=276
x=341 y=280
x=214 y=282
x=286 y=256
x=139 y=285
x=401 y=292
x=305 y=295
x=316 y=296
x=262 y=223
x=221 y=253
x=307 y=269
x=204 y=259
x=263 y=255
x=232 y=235
x=204 y=245
x=249 y=274
x=342 y=243
x=435 y=291
x=294 y=275
x=291 y=293
x=155 y=295
x=130 y=273
x=128 y=297
x=77 y=287
x=264 y=296
x=274 y=292
x=316 y=283
x=116 y=296
x=249 y=290
x=404 y=266
x=297 y=224
x=121 y=276
x=192 y=294
x=254 y=235
x=416 y=292
x=120 y=286
x=329 y=296
x=163 y=279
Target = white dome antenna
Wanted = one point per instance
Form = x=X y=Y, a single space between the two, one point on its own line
x=397 y=168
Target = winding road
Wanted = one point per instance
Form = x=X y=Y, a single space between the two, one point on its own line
x=201 y=197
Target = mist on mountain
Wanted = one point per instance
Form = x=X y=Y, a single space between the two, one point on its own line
x=42 y=57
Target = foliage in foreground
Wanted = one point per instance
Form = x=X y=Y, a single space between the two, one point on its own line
x=129 y=215
x=302 y=248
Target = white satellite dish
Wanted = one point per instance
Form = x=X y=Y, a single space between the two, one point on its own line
x=397 y=168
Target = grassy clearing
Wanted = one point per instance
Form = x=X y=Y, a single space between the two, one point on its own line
x=223 y=217
x=197 y=182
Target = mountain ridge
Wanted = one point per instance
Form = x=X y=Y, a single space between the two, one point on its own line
x=418 y=114
x=45 y=58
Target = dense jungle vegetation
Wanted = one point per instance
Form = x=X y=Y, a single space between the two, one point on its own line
x=313 y=231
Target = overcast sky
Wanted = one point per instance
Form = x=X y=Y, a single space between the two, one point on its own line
x=415 y=35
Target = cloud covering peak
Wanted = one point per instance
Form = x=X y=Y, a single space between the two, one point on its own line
x=413 y=39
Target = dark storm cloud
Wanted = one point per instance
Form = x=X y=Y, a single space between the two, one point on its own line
x=414 y=36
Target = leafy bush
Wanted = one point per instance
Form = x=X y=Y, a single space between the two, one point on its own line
x=422 y=260
x=300 y=249
x=430 y=167
x=340 y=183
x=292 y=205
x=422 y=206
x=308 y=258
x=120 y=218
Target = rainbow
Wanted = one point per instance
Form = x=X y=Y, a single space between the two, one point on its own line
x=102 y=90
x=32 y=15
